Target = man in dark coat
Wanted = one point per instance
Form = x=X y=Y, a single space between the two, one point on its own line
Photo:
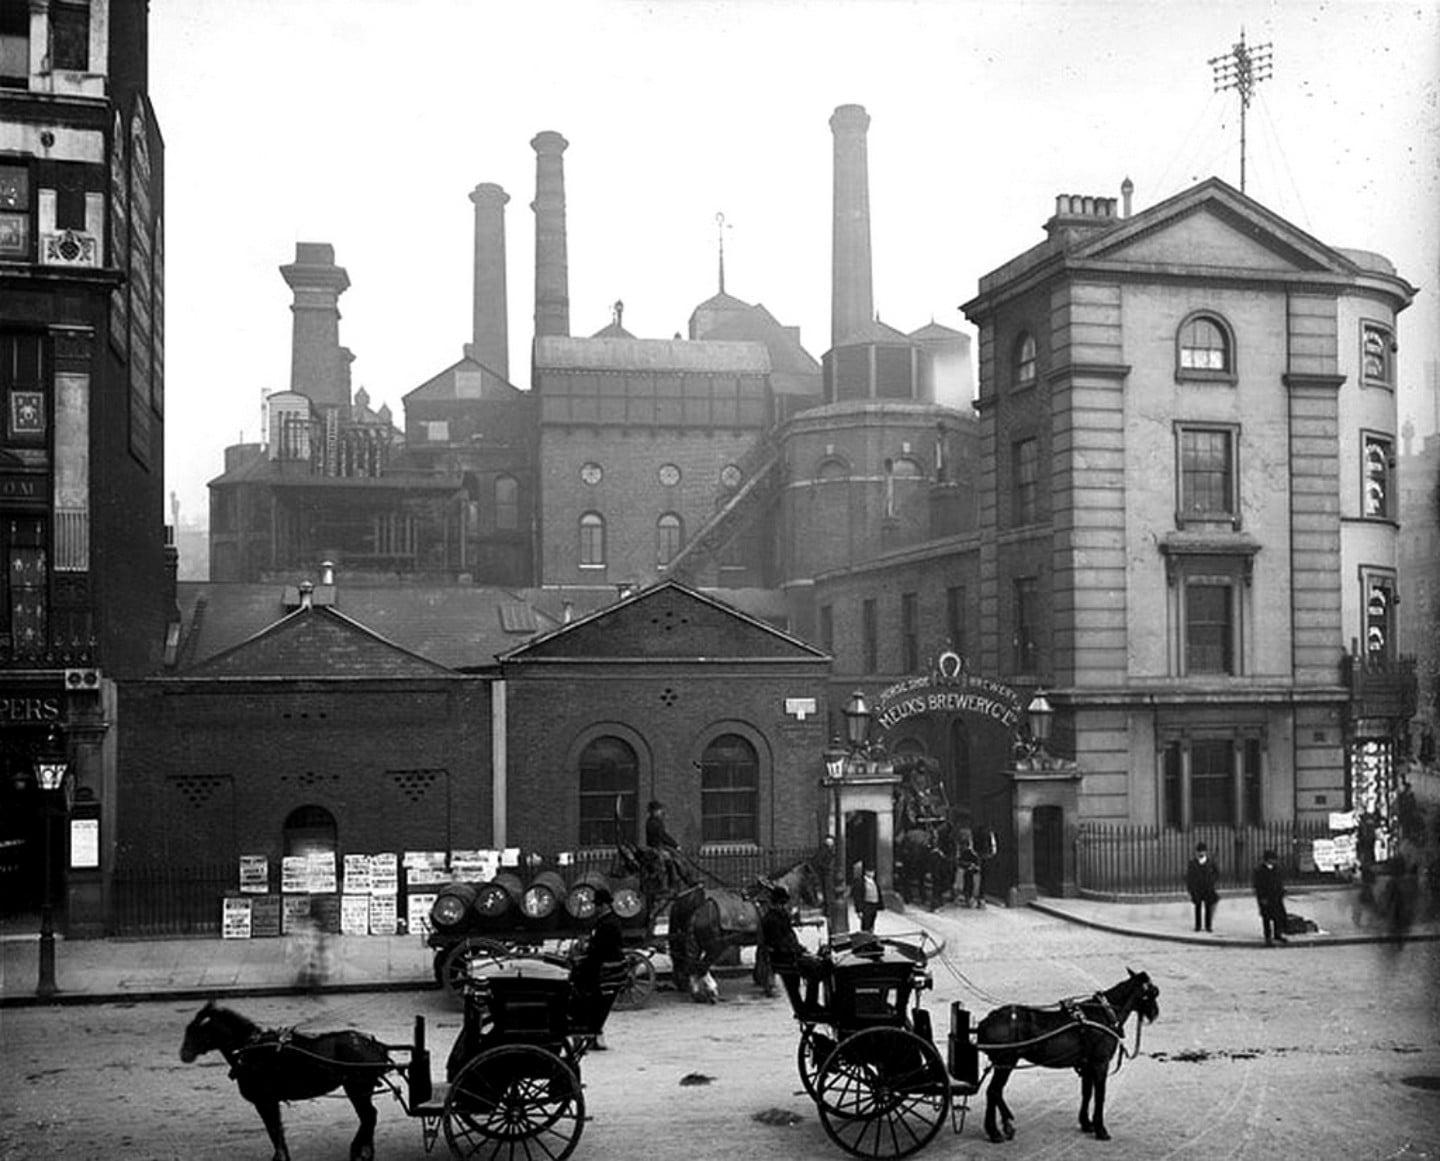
x=604 y=949
x=783 y=947
x=1201 y=877
x=1270 y=895
x=662 y=842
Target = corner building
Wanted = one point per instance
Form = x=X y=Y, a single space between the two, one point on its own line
x=1187 y=418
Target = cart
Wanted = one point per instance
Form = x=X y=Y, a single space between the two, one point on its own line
x=867 y=1054
x=512 y=1087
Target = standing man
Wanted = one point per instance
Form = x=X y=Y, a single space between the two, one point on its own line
x=1201 y=877
x=605 y=948
x=865 y=894
x=822 y=862
x=1270 y=895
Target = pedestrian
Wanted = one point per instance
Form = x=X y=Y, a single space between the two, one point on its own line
x=786 y=955
x=1270 y=896
x=865 y=894
x=1201 y=876
x=969 y=873
x=604 y=952
x=822 y=862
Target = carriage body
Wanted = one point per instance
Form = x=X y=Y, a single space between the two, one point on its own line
x=867 y=1053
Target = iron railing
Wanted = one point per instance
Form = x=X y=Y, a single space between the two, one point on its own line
x=1121 y=859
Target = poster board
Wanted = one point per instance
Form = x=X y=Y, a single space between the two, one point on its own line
x=235 y=917
x=295 y=913
x=383 y=917
x=254 y=874
x=357 y=875
x=264 y=916
x=425 y=868
x=384 y=874
x=294 y=875
x=84 y=843
x=320 y=873
x=417 y=911
x=355 y=914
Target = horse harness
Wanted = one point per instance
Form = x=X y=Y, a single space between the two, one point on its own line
x=1111 y=1023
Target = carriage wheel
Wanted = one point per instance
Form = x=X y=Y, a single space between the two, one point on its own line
x=639 y=981
x=514 y=1101
x=472 y=954
x=814 y=1047
x=883 y=1092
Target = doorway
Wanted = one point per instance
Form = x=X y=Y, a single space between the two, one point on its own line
x=1049 y=839
x=861 y=841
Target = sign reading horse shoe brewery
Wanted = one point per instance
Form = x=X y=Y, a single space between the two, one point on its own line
x=948 y=688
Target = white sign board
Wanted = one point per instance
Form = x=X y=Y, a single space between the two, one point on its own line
x=254 y=874
x=384 y=874
x=417 y=913
x=357 y=875
x=84 y=842
x=294 y=875
x=235 y=918
x=354 y=914
x=382 y=914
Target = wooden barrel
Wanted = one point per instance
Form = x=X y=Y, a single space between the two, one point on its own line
x=542 y=900
x=499 y=899
x=452 y=905
x=629 y=903
x=580 y=899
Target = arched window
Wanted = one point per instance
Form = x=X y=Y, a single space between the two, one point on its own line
x=729 y=791
x=669 y=537
x=1025 y=360
x=592 y=540
x=609 y=783
x=1204 y=345
x=507 y=503
x=310 y=830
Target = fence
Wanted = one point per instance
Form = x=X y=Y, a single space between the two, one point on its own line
x=1149 y=860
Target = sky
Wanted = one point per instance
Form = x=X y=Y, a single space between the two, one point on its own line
x=366 y=124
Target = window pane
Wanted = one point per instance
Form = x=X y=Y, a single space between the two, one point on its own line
x=1203 y=346
x=667 y=537
x=1207 y=629
x=1205 y=472
x=608 y=772
x=1375 y=356
x=1212 y=799
x=1025 y=361
x=729 y=791
x=1174 y=787
x=592 y=539
x=507 y=503
x=1377 y=477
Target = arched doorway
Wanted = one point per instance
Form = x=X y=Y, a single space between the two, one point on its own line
x=862 y=841
x=310 y=830
x=1049 y=840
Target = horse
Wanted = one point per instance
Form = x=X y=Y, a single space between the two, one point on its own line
x=926 y=860
x=274 y=1065
x=1080 y=1033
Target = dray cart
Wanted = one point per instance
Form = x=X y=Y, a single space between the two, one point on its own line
x=867 y=1054
x=512 y=1087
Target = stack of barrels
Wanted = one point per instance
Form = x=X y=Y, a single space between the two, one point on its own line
x=545 y=904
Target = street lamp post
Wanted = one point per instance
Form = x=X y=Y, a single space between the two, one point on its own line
x=837 y=916
x=50 y=774
x=1041 y=715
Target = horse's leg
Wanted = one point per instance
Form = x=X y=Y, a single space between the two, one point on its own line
x=1087 y=1087
x=269 y=1111
x=362 y=1148
x=995 y=1104
x=1102 y=1070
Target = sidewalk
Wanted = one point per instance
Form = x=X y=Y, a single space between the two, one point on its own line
x=130 y=970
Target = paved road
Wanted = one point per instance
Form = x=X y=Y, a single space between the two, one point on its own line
x=1321 y=1052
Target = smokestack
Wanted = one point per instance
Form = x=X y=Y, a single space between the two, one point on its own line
x=552 y=277
x=319 y=366
x=852 y=300
x=490 y=345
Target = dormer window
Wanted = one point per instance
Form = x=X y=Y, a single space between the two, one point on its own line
x=1204 y=349
x=1025 y=360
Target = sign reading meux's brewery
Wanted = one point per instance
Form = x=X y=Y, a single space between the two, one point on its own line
x=948 y=688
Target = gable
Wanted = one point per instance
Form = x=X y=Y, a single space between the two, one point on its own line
x=1206 y=238
x=667 y=622
x=318 y=643
x=465 y=380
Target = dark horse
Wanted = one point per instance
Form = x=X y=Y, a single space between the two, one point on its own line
x=274 y=1065
x=1082 y=1034
x=706 y=921
x=927 y=857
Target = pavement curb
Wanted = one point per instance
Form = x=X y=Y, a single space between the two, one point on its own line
x=156 y=995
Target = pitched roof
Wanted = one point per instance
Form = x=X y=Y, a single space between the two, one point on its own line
x=559 y=353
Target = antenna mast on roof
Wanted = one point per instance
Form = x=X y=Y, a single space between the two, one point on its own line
x=1241 y=69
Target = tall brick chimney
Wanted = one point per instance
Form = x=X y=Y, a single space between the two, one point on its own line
x=552 y=276
x=852 y=300
x=490 y=345
x=319 y=366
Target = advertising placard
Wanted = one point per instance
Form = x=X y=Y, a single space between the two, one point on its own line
x=384 y=874
x=417 y=911
x=382 y=915
x=425 y=868
x=295 y=913
x=357 y=874
x=294 y=875
x=84 y=843
x=264 y=916
x=235 y=917
x=254 y=874
x=354 y=914
x=320 y=870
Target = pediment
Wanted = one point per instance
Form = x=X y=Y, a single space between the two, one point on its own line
x=317 y=642
x=671 y=622
x=1213 y=225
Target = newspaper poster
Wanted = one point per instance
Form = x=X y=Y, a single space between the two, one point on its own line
x=417 y=911
x=384 y=874
x=425 y=868
x=295 y=875
x=474 y=866
x=235 y=918
x=254 y=874
x=355 y=914
x=295 y=912
x=382 y=914
x=264 y=916
x=321 y=873
x=357 y=875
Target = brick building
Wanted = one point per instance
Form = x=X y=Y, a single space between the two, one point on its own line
x=88 y=575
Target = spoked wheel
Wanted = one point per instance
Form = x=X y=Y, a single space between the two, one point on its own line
x=473 y=955
x=639 y=981
x=883 y=1092
x=514 y=1102
x=814 y=1047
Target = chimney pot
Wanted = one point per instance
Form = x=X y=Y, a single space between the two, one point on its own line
x=327 y=572
x=1127 y=187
